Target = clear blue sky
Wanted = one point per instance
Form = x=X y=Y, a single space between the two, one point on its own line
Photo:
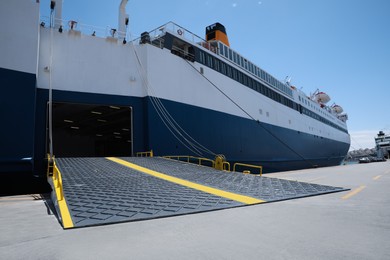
x=341 y=47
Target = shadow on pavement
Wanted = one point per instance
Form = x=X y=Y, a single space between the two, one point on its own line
x=22 y=184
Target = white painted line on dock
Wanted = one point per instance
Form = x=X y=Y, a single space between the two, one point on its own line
x=353 y=192
x=377 y=177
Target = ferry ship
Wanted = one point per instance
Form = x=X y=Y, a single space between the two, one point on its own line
x=69 y=91
x=382 y=145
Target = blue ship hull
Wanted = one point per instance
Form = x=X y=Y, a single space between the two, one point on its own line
x=243 y=140
x=240 y=140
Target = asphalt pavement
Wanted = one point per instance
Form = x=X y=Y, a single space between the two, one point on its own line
x=346 y=225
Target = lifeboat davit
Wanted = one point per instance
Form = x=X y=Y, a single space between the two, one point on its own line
x=338 y=109
x=322 y=97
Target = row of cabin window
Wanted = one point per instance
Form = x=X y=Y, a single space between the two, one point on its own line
x=237 y=75
x=236 y=58
x=321 y=119
x=305 y=101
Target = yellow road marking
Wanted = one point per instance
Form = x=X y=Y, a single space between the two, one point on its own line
x=353 y=192
x=377 y=177
x=316 y=179
x=189 y=184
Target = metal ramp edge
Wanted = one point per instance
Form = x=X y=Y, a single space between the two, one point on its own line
x=58 y=197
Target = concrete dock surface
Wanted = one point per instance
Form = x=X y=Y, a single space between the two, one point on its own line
x=353 y=224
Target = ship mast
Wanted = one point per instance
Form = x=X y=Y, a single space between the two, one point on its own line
x=123 y=20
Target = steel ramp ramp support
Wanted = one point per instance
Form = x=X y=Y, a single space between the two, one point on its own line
x=100 y=191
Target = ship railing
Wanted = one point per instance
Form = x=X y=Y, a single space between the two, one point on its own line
x=182 y=53
x=244 y=167
x=82 y=28
x=192 y=159
x=211 y=163
x=179 y=32
x=145 y=154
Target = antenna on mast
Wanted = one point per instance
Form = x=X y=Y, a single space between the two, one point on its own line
x=287 y=80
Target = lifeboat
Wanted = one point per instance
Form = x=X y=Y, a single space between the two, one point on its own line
x=322 y=97
x=338 y=109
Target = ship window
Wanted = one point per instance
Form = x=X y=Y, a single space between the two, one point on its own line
x=220 y=48
x=223 y=68
x=216 y=64
x=230 y=54
x=266 y=91
x=245 y=79
x=202 y=57
x=257 y=86
x=209 y=61
x=250 y=82
x=238 y=76
x=229 y=71
x=235 y=76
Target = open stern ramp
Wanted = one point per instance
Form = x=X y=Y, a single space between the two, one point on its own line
x=98 y=191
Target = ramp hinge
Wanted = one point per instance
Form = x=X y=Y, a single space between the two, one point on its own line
x=50 y=166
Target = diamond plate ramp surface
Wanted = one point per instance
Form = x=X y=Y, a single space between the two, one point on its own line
x=264 y=188
x=99 y=191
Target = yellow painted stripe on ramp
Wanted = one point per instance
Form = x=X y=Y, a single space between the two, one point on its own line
x=64 y=210
x=221 y=193
x=354 y=192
